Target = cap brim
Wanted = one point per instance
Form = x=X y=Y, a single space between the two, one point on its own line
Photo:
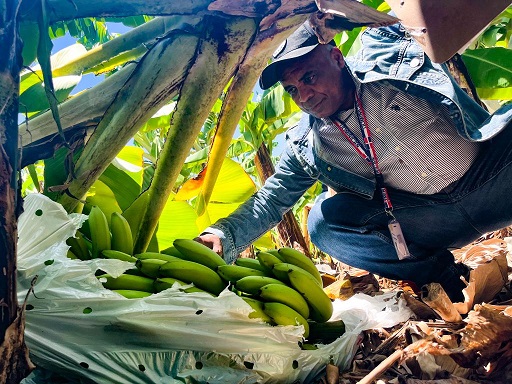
x=271 y=75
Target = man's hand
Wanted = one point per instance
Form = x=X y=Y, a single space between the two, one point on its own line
x=211 y=241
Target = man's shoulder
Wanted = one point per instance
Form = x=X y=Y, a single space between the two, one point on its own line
x=302 y=128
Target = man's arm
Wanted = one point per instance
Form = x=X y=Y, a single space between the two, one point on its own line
x=231 y=235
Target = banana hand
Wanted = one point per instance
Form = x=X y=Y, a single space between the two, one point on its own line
x=198 y=274
x=150 y=267
x=126 y=281
x=119 y=255
x=191 y=250
x=281 y=314
x=299 y=259
x=233 y=273
x=320 y=305
x=252 y=284
x=257 y=312
x=284 y=294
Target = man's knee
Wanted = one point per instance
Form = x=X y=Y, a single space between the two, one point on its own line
x=316 y=221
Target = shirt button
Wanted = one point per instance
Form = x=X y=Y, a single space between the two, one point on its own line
x=397 y=148
x=415 y=62
x=378 y=130
x=423 y=174
x=328 y=168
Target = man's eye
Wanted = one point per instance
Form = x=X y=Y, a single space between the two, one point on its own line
x=309 y=79
x=292 y=91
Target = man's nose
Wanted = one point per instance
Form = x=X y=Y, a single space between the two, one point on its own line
x=305 y=93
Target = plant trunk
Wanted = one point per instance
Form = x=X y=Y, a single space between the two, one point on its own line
x=288 y=229
x=14 y=362
x=221 y=50
x=236 y=98
x=461 y=75
x=155 y=80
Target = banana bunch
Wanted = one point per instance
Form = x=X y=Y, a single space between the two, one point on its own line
x=282 y=286
x=187 y=263
x=102 y=236
x=285 y=289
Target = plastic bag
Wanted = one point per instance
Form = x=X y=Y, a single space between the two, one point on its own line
x=78 y=328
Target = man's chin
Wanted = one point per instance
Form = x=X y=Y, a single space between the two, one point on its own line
x=319 y=114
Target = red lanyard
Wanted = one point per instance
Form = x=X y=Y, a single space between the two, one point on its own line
x=366 y=150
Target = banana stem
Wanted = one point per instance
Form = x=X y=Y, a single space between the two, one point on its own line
x=205 y=80
x=150 y=86
x=234 y=103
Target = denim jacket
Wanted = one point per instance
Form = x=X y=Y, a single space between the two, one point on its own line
x=387 y=55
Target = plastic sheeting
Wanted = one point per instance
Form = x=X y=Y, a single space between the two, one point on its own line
x=78 y=328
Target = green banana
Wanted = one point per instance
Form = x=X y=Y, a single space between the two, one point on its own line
x=257 y=312
x=173 y=251
x=252 y=263
x=122 y=239
x=286 y=295
x=233 y=273
x=100 y=232
x=78 y=245
x=281 y=270
x=71 y=255
x=281 y=314
x=150 y=267
x=192 y=250
x=132 y=294
x=194 y=289
x=134 y=271
x=308 y=346
x=191 y=272
x=275 y=252
x=320 y=304
x=299 y=259
x=252 y=284
x=156 y=255
x=114 y=254
x=134 y=213
x=127 y=281
x=163 y=283
x=267 y=259
x=326 y=332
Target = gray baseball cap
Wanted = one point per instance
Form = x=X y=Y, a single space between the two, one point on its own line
x=299 y=43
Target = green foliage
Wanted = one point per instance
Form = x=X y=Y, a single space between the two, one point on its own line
x=488 y=59
x=130 y=21
x=88 y=31
x=490 y=67
x=29 y=34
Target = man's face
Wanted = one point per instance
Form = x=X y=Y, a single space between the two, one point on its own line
x=316 y=83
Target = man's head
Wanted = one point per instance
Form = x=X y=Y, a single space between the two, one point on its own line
x=313 y=74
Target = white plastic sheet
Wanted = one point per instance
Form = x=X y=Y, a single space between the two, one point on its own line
x=84 y=331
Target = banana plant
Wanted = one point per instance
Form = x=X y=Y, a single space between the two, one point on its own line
x=192 y=109
x=488 y=59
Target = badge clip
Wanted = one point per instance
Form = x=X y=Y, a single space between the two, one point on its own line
x=398 y=239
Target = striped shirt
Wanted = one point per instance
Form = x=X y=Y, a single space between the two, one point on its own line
x=418 y=149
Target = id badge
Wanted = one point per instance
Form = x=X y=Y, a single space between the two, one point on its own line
x=398 y=240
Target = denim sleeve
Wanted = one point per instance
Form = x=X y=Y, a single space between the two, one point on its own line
x=265 y=208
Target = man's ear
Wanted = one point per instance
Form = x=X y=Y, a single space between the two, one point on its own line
x=337 y=56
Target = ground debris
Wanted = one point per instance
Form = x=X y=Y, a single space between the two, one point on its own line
x=427 y=349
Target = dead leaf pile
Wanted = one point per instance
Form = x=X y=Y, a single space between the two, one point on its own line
x=427 y=348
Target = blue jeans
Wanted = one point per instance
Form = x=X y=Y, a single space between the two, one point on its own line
x=354 y=230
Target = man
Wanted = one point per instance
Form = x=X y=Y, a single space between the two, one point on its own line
x=417 y=166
